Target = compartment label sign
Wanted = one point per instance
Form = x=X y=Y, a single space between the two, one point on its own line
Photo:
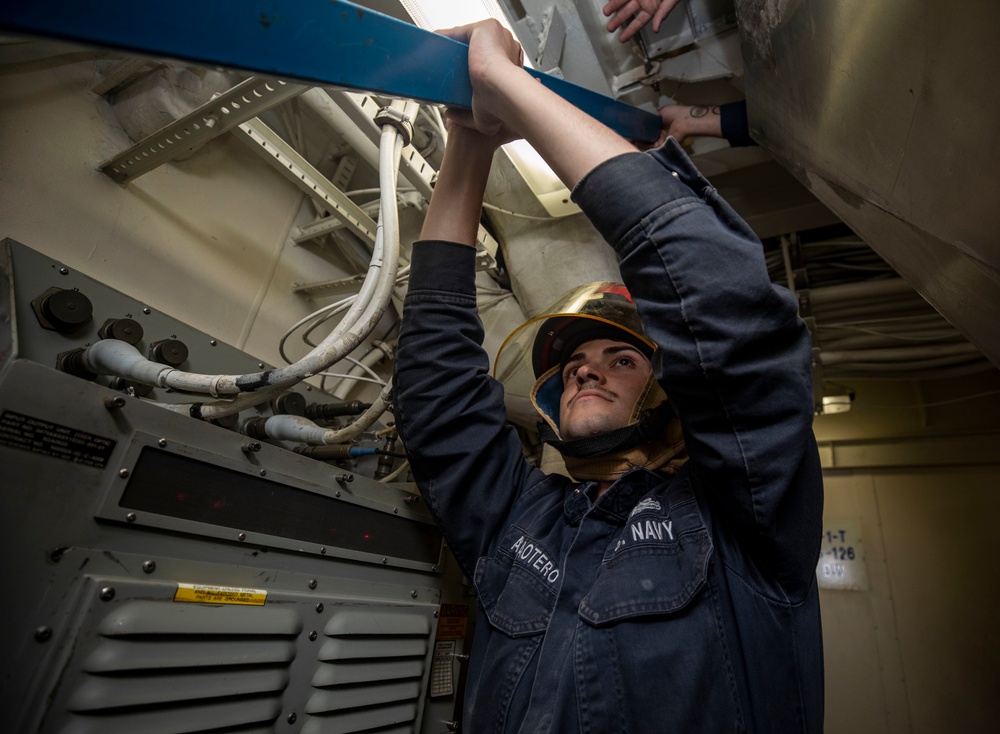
x=220 y=594
x=842 y=562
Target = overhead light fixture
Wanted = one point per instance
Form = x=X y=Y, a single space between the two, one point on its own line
x=835 y=399
x=436 y=14
x=542 y=180
x=551 y=193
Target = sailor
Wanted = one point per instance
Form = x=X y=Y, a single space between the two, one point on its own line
x=669 y=585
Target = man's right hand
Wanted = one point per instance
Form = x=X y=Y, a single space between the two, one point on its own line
x=493 y=51
x=506 y=97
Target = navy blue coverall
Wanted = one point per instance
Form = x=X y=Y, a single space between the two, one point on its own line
x=682 y=603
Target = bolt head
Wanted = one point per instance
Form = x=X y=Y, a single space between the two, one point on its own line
x=107 y=593
x=162 y=443
x=123 y=473
x=130 y=517
x=242 y=536
x=43 y=634
x=313 y=583
x=292 y=717
x=149 y=566
x=319 y=608
x=313 y=636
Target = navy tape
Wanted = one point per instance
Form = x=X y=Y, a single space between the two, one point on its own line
x=249 y=383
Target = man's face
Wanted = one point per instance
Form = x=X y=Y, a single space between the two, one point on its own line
x=601 y=383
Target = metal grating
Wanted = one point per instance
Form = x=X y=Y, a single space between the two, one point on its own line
x=370 y=672
x=166 y=668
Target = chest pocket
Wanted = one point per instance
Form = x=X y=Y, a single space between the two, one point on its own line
x=658 y=564
x=517 y=585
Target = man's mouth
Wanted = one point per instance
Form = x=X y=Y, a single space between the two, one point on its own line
x=596 y=392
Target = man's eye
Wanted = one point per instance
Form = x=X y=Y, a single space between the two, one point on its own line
x=569 y=374
x=625 y=361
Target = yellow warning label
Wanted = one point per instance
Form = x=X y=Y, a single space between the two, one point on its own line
x=454 y=621
x=220 y=594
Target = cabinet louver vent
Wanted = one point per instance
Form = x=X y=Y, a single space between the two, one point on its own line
x=165 y=668
x=370 y=669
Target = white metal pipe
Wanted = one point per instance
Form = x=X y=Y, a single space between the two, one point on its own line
x=899 y=354
x=866 y=289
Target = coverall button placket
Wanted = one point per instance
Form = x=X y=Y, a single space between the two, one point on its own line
x=558 y=685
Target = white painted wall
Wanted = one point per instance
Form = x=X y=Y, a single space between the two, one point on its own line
x=203 y=240
x=919 y=651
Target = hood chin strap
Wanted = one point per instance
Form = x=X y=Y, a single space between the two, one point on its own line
x=652 y=439
x=650 y=427
x=655 y=442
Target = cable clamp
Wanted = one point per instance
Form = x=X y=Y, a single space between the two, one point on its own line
x=392 y=116
x=213 y=390
x=162 y=375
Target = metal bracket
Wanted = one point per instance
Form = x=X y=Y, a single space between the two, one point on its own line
x=302 y=173
x=217 y=116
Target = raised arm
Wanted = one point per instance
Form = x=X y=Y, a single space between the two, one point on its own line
x=466 y=460
x=570 y=141
x=455 y=208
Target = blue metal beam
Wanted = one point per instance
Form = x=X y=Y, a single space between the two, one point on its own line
x=324 y=42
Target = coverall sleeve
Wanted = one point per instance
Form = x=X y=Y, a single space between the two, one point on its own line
x=734 y=357
x=465 y=457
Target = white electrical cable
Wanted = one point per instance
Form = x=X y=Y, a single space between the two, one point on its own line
x=353 y=378
x=303 y=430
x=518 y=215
x=363 y=365
x=345 y=338
x=401 y=277
x=364 y=314
x=378 y=352
x=364 y=421
x=320 y=316
x=396 y=472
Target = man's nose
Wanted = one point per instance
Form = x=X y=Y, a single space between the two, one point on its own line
x=589 y=372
